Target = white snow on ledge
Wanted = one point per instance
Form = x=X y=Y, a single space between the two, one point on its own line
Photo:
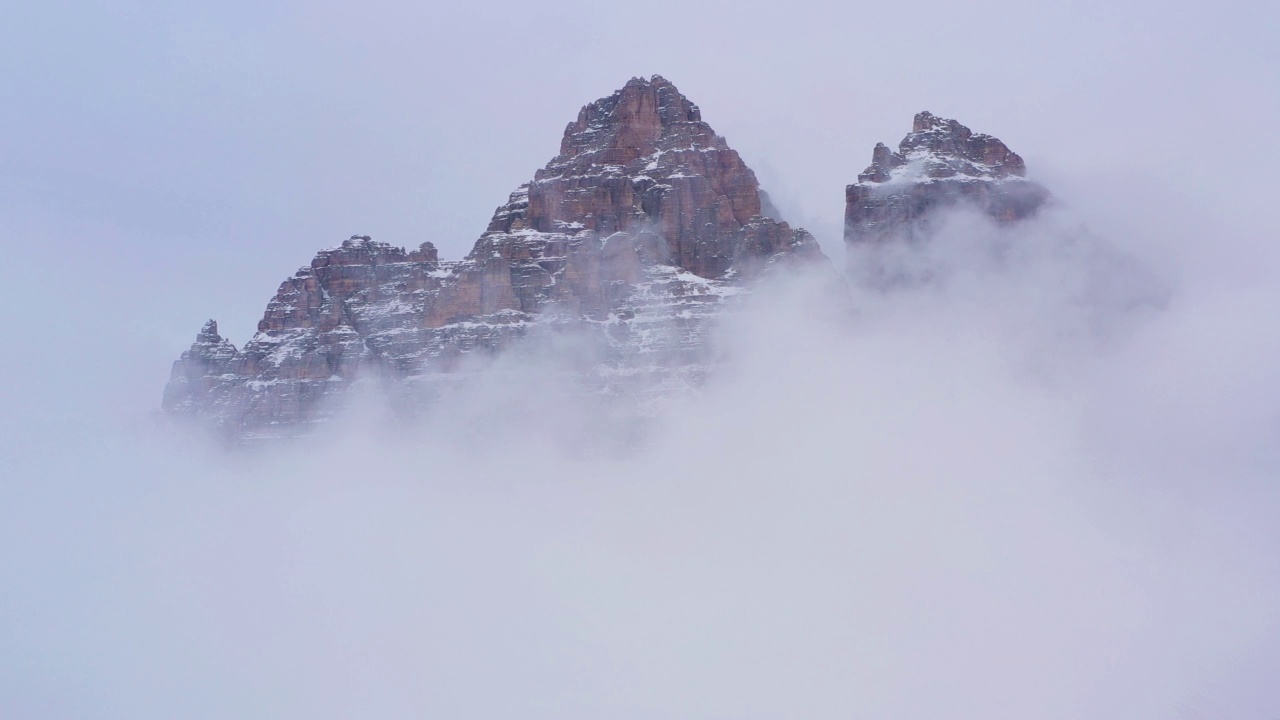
x=915 y=172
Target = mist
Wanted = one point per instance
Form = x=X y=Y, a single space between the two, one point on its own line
x=1034 y=477
x=1040 y=480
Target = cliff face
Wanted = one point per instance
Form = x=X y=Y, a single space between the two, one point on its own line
x=638 y=232
x=939 y=164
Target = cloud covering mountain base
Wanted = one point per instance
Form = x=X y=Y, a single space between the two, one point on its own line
x=1031 y=479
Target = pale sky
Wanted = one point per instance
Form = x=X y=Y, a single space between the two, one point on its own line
x=232 y=141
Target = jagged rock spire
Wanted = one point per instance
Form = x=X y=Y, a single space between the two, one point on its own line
x=938 y=148
x=938 y=164
x=209 y=333
x=627 y=124
x=199 y=370
x=642 y=157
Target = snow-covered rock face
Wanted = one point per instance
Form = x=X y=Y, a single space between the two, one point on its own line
x=939 y=164
x=638 y=233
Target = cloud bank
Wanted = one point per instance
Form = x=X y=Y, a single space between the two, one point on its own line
x=1034 y=478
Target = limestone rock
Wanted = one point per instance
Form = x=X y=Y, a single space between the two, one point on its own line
x=638 y=233
x=939 y=164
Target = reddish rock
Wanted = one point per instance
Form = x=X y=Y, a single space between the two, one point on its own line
x=637 y=232
x=939 y=164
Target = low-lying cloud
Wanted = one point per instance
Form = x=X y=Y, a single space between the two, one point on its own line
x=1034 y=478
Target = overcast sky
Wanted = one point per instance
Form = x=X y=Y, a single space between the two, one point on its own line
x=233 y=140
x=162 y=164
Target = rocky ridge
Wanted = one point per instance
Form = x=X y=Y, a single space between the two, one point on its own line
x=639 y=232
x=939 y=164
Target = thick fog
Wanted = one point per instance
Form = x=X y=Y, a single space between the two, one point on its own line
x=1034 y=478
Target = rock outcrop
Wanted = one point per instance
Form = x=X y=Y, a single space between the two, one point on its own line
x=637 y=233
x=939 y=164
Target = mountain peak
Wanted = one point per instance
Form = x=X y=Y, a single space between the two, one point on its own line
x=638 y=233
x=628 y=123
x=925 y=121
x=642 y=158
x=940 y=163
x=941 y=148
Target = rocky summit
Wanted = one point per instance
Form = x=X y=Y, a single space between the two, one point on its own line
x=637 y=234
x=939 y=164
